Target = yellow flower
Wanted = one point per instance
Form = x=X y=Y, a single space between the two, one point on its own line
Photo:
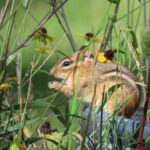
x=89 y=37
x=42 y=36
x=42 y=50
x=11 y=78
x=101 y=57
x=4 y=86
x=105 y=57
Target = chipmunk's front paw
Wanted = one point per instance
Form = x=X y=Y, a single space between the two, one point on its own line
x=54 y=85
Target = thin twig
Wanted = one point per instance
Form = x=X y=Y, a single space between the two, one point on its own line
x=109 y=29
x=143 y=120
x=18 y=72
x=42 y=22
x=70 y=36
x=145 y=14
x=101 y=118
x=25 y=111
x=3 y=12
x=140 y=144
x=66 y=32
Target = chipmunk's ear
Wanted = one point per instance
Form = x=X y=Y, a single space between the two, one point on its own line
x=88 y=55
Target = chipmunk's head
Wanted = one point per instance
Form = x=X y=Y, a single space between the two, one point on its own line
x=64 y=67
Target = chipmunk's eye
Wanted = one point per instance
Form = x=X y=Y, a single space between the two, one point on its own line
x=67 y=62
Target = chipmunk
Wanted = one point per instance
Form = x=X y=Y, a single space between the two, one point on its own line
x=93 y=78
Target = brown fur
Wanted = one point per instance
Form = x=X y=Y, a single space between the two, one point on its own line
x=94 y=79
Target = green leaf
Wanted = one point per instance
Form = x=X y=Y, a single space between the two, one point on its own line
x=119 y=51
x=32 y=140
x=19 y=137
x=25 y=3
x=56 y=143
x=145 y=42
x=59 y=117
x=134 y=39
x=38 y=104
x=2 y=135
x=34 y=104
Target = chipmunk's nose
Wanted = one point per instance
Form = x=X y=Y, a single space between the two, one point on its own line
x=51 y=71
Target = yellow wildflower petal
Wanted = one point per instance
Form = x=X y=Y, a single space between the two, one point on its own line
x=109 y=61
x=90 y=36
x=104 y=57
x=42 y=35
x=12 y=78
x=42 y=50
x=36 y=36
x=46 y=135
x=4 y=86
x=49 y=38
x=43 y=30
x=96 y=40
x=101 y=57
x=81 y=35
